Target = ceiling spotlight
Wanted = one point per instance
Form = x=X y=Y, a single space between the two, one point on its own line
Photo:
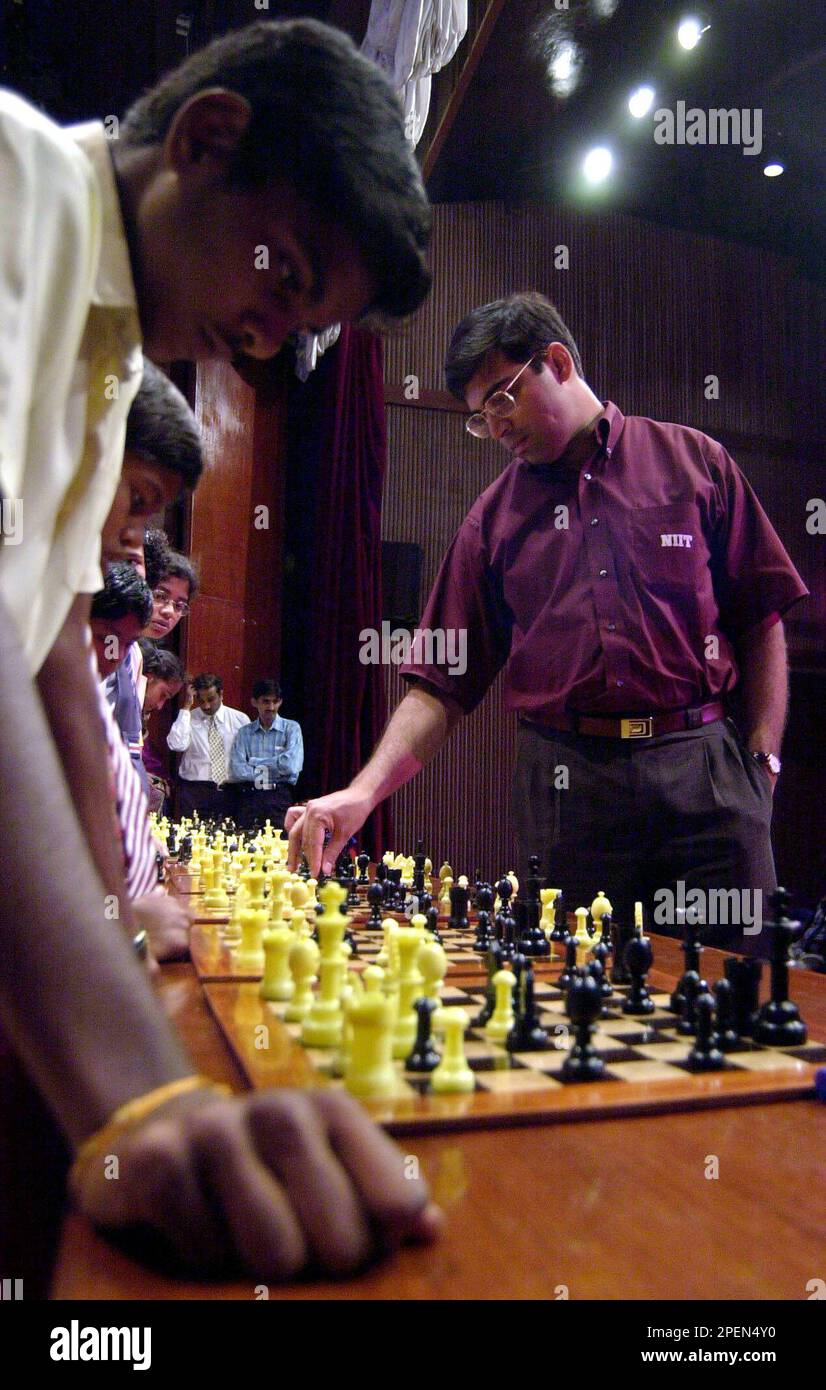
x=641 y=101
x=564 y=67
x=690 y=32
x=598 y=164
x=772 y=170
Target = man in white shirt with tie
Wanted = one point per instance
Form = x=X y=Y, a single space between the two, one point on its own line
x=204 y=735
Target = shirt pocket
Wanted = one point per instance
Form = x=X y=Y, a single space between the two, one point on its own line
x=668 y=549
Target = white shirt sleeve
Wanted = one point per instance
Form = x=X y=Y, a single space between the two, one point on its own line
x=181 y=732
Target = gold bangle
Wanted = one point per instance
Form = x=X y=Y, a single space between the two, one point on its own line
x=133 y=1111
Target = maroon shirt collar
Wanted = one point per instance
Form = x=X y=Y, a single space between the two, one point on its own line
x=601 y=438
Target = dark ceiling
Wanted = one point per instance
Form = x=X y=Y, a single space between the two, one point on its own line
x=513 y=139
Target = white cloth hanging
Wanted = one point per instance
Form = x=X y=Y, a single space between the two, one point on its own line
x=409 y=40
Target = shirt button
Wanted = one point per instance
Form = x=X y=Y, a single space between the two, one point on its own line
x=620 y=682
x=603 y=574
x=587 y=477
x=612 y=627
x=595 y=521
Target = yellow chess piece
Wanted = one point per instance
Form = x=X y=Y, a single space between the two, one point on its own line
x=432 y=964
x=453 y=1073
x=369 y=1072
x=599 y=907
x=502 y=1019
x=584 y=944
x=250 y=953
x=277 y=983
x=303 y=962
x=322 y=1026
x=409 y=943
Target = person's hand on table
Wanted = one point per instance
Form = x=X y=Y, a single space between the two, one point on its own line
x=270 y=1184
x=322 y=828
x=166 y=921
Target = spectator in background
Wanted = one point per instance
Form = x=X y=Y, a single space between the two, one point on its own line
x=119 y=611
x=164 y=676
x=267 y=757
x=205 y=736
x=172 y=591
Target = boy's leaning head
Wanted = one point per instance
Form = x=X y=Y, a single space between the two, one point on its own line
x=270 y=189
x=162 y=456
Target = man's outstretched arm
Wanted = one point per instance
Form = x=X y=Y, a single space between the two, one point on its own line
x=418 y=728
x=265 y=1182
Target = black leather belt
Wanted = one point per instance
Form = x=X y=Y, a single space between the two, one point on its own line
x=634 y=725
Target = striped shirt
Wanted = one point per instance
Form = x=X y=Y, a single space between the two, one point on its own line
x=140 y=848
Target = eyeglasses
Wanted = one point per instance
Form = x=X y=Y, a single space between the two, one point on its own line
x=499 y=406
x=165 y=600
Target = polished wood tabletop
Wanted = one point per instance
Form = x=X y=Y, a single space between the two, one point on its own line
x=606 y=1209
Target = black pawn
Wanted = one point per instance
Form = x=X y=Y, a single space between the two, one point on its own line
x=494 y=964
x=567 y=975
x=432 y=916
x=778 y=1022
x=605 y=930
x=638 y=957
x=484 y=903
x=584 y=1007
x=600 y=957
x=362 y=861
x=744 y=977
x=458 y=908
x=375 y=898
x=424 y=1056
x=621 y=936
x=560 y=927
x=705 y=1055
x=527 y=1033
x=691 y=992
x=691 y=947
x=726 y=1036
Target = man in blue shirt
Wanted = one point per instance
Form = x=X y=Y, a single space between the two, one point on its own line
x=266 y=758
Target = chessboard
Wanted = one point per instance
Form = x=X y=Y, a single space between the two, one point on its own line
x=215 y=960
x=646 y=1070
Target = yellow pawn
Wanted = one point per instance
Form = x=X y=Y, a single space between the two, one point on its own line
x=638 y=917
x=584 y=944
x=453 y=1073
x=409 y=944
x=502 y=1019
x=369 y=1072
x=599 y=907
x=444 y=900
x=432 y=965
x=250 y=954
x=303 y=962
x=277 y=983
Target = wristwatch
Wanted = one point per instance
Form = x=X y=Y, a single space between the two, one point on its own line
x=768 y=760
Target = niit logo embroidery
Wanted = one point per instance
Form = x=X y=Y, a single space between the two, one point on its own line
x=679 y=541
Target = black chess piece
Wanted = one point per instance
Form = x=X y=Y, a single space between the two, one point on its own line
x=639 y=954
x=691 y=992
x=725 y=1036
x=621 y=934
x=484 y=904
x=381 y=872
x=567 y=974
x=560 y=926
x=350 y=940
x=363 y=861
x=424 y=1056
x=432 y=916
x=688 y=923
x=493 y=965
x=397 y=892
x=705 y=1055
x=584 y=1006
x=778 y=1021
x=527 y=1033
x=458 y=908
x=744 y=977
x=600 y=957
x=418 y=868
x=171 y=843
x=304 y=867
x=375 y=899
x=532 y=939
x=185 y=850
x=508 y=938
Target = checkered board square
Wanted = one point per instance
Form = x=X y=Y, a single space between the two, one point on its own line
x=646 y=1068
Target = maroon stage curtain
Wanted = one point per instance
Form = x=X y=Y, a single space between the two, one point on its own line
x=345 y=700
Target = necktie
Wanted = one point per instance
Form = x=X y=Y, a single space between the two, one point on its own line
x=217 y=756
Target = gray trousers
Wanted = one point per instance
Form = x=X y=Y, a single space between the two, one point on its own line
x=638 y=818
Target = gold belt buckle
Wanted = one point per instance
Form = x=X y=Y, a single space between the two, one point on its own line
x=637 y=728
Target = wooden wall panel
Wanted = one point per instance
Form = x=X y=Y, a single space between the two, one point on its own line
x=654 y=312
x=234 y=626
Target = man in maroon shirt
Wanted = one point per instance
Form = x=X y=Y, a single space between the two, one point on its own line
x=625 y=575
